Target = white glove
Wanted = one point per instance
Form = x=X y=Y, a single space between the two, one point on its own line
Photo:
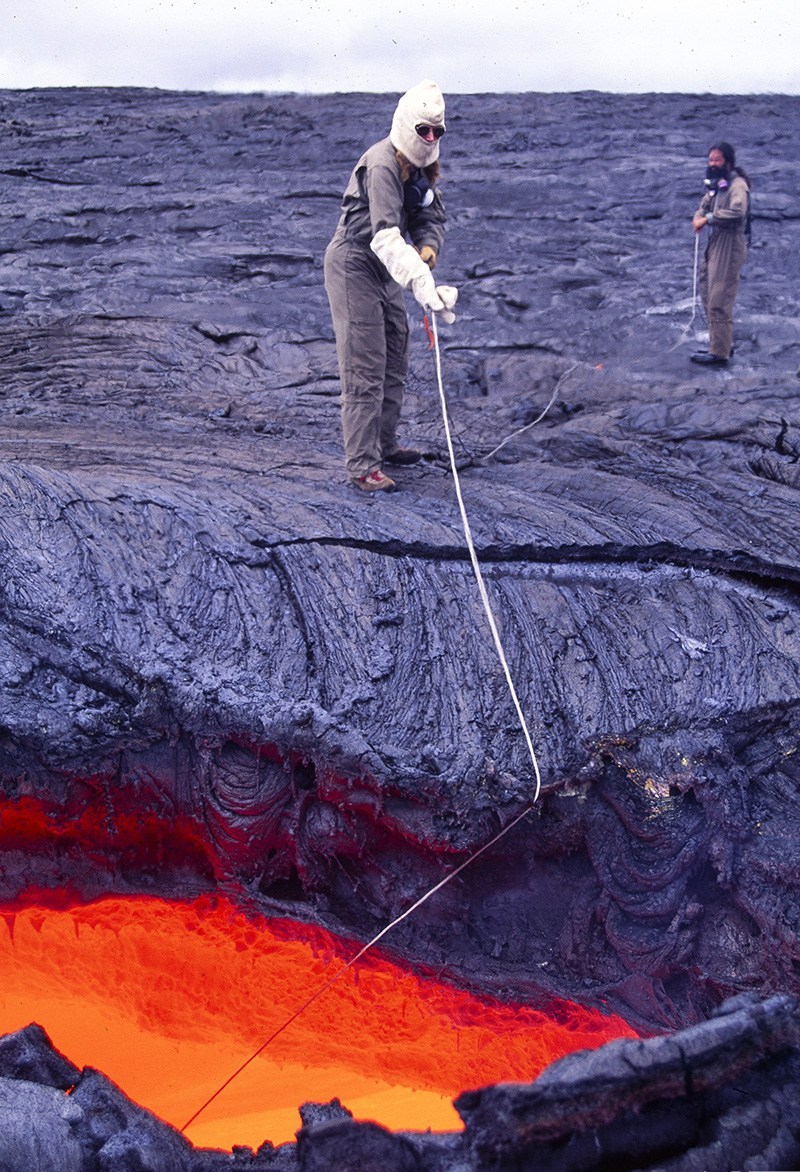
x=439 y=298
x=425 y=292
x=403 y=261
x=407 y=267
x=448 y=296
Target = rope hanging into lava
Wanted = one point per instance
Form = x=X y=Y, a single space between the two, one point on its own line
x=477 y=569
x=354 y=960
x=476 y=854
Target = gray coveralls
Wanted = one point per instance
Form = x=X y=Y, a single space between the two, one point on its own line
x=368 y=307
x=725 y=254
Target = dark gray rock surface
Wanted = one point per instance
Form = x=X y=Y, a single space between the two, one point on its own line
x=200 y=619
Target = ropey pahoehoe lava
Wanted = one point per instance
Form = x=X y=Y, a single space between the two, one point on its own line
x=226 y=675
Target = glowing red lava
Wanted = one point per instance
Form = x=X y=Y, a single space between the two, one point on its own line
x=168 y=999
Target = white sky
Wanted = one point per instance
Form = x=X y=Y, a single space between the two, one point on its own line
x=467 y=46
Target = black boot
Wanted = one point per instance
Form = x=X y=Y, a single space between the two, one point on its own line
x=706 y=359
x=403 y=456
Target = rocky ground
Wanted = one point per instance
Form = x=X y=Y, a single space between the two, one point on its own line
x=199 y=617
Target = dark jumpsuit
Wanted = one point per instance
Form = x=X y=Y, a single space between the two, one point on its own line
x=368 y=307
x=725 y=254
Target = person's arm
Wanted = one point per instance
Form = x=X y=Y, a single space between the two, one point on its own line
x=703 y=214
x=400 y=259
x=384 y=193
x=405 y=265
x=735 y=207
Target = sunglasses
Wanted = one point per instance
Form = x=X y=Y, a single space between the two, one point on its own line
x=423 y=129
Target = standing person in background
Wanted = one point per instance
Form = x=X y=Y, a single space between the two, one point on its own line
x=391 y=197
x=726 y=209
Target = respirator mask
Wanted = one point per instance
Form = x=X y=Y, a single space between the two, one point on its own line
x=417 y=193
x=716 y=178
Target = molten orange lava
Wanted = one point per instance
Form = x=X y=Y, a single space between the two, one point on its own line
x=168 y=999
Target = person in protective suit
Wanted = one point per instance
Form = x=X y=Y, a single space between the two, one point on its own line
x=725 y=207
x=391 y=199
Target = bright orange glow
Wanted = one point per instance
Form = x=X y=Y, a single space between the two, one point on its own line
x=168 y=999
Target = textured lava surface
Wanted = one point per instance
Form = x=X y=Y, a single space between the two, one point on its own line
x=205 y=630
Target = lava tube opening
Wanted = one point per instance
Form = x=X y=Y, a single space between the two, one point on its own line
x=168 y=999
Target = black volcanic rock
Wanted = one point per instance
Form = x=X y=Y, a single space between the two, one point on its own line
x=88 y=1125
x=28 y=1054
x=720 y=1094
x=200 y=619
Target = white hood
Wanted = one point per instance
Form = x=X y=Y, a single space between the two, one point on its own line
x=423 y=103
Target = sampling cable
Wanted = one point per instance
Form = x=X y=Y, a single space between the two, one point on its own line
x=688 y=326
x=476 y=566
x=521 y=430
x=370 y=944
x=496 y=838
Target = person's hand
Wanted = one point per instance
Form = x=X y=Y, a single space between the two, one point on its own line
x=439 y=298
x=448 y=296
x=699 y=222
x=424 y=289
x=428 y=254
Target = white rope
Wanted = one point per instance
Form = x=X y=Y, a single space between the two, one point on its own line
x=477 y=569
x=353 y=960
x=538 y=419
x=695 y=268
x=457 y=870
